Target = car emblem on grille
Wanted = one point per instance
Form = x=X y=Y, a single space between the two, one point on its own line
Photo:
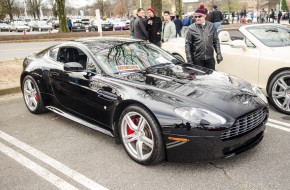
x=245 y=102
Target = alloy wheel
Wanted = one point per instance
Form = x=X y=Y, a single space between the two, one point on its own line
x=31 y=95
x=137 y=136
x=281 y=93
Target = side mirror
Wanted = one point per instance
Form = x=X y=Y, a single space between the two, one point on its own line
x=73 y=66
x=239 y=44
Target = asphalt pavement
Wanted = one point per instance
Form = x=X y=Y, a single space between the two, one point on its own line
x=48 y=151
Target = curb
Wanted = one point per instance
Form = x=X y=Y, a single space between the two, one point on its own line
x=13 y=90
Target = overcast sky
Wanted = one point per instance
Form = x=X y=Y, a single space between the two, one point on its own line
x=80 y=3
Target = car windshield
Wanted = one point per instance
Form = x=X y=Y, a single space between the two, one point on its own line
x=271 y=35
x=20 y=24
x=133 y=57
x=77 y=24
x=41 y=23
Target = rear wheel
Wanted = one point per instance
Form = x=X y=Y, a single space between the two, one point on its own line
x=32 y=96
x=141 y=136
x=279 y=92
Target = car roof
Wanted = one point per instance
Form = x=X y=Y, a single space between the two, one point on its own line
x=96 y=44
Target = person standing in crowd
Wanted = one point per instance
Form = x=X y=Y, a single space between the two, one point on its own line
x=185 y=23
x=69 y=24
x=252 y=15
x=216 y=17
x=233 y=16
x=140 y=31
x=208 y=15
x=154 y=26
x=258 y=17
x=262 y=16
x=279 y=17
x=132 y=23
x=272 y=16
x=168 y=28
x=178 y=25
x=201 y=42
x=238 y=17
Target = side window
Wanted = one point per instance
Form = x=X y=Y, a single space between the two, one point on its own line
x=72 y=54
x=53 y=54
x=249 y=43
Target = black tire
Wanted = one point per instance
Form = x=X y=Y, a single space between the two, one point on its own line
x=179 y=57
x=278 y=101
x=39 y=108
x=157 y=153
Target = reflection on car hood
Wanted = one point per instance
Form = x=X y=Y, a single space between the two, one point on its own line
x=197 y=86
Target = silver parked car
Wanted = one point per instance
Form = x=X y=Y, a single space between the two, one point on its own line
x=41 y=26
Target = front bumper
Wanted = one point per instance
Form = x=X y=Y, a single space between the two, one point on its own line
x=207 y=148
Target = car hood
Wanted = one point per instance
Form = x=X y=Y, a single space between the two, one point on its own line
x=282 y=50
x=199 y=87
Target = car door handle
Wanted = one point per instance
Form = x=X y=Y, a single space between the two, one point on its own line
x=107 y=95
x=54 y=74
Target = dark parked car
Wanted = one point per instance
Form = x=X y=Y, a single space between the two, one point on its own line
x=225 y=21
x=78 y=27
x=155 y=105
x=106 y=26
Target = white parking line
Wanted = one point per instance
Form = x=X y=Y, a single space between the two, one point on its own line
x=55 y=180
x=53 y=163
x=278 y=127
x=279 y=122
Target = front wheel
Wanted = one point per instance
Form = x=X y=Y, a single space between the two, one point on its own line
x=279 y=92
x=32 y=96
x=141 y=136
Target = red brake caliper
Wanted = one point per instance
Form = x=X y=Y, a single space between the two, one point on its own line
x=36 y=97
x=130 y=131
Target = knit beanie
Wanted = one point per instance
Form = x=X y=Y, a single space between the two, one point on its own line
x=200 y=10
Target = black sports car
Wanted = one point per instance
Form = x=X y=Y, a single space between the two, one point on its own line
x=155 y=105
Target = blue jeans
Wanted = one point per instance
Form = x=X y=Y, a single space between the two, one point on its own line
x=217 y=25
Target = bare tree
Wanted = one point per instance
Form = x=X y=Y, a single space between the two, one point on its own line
x=229 y=5
x=157 y=6
x=8 y=7
x=34 y=7
x=52 y=3
x=61 y=10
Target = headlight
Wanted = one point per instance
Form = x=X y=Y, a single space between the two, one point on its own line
x=260 y=94
x=199 y=116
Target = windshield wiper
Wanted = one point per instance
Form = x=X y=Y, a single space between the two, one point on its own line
x=147 y=69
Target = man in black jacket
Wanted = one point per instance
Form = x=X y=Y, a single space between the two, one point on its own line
x=216 y=17
x=201 y=41
x=154 y=26
x=140 y=31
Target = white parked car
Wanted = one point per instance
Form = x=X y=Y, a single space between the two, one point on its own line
x=41 y=26
x=18 y=26
x=259 y=54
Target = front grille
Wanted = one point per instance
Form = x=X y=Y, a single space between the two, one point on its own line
x=245 y=124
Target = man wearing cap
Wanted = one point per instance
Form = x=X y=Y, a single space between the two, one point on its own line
x=216 y=17
x=168 y=28
x=201 y=41
x=154 y=27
